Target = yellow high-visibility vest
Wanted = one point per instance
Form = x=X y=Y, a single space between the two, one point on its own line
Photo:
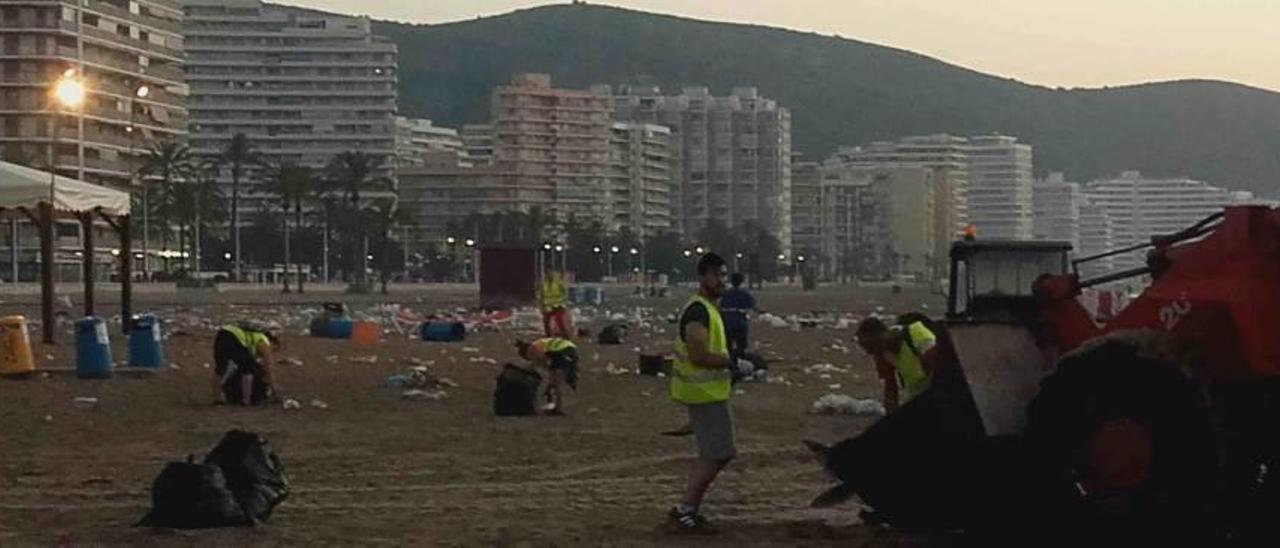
x=551 y=344
x=912 y=378
x=248 y=339
x=553 y=294
x=691 y=384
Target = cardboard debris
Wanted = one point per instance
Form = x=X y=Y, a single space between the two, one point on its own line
x=424 y=395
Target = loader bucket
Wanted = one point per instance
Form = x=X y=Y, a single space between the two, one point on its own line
x=928 y=465
x=1002 y=367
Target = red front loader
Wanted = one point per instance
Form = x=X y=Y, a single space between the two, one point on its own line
x=1161 y=425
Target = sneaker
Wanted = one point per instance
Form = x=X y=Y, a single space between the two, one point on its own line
x=691 y=523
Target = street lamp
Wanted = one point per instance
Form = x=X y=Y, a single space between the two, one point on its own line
x=69 y=90
x=699 y=250
x=227 y=256
x=688 y=253
x=450 y=240
x=470 y=242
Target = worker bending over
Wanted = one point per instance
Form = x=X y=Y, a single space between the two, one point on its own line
x=553 y=301
x=701 y=380
x=905 y=357
x=560 y=358
x=242 y=372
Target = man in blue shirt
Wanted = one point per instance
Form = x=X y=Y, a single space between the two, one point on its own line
x=734 y=306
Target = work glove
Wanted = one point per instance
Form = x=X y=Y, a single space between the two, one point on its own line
x=744 y=368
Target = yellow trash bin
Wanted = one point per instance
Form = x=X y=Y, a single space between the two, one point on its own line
x=15 y=348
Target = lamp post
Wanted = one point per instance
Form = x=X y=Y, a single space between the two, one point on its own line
x=613 y=250
x=453 y=254
x=631 y=259
x=560 y=250
x=475 y=262
x=141 y=92
x=737 y=258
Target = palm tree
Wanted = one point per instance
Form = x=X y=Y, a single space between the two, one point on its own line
x=239 y=157
x=292 y=184
x=355 y=173
x=166 y=164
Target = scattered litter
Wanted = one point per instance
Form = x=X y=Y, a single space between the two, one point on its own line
x=445 y=381
x=739 y=392
x=778 y=379
x=205 y=365
x=48 y=357
x=48 y=418
x=417 y=361
x=87 y=400
x=615 y=370
x=470 y=349
x=319 y=404
x=840 y=404
x=824 y=368
x=833 y=386
x=424 y=395
x=593 y=411
x=363 y=359
x=646 y=394
x=331 y=359
x=175 y=366
x=292 y=404
x=292 y=361
x=482 y=359
x=774 y=321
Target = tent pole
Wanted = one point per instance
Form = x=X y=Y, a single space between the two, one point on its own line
x=126 y=271
x=46 y=271
x=86 y=220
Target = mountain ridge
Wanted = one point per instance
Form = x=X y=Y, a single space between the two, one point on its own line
x=844 y=91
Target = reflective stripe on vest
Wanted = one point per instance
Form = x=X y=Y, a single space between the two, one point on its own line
x=912 y=378
x=691 y=384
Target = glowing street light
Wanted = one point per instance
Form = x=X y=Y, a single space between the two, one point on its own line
x=450 y=240
x=469 y=243
x=635 y=251
x=800 y=258
x=614 y=249
x=782 y=257
x=559 y=248
x=688 y=253
x=369 y=256
x=142 y=92
x=69 y=90
x=226 y=256
x=699 y=250
x=595 y=249
x=546 y=246
x=739 y=255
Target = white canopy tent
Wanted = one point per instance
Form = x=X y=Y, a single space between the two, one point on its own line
x=42 y=199
x=24 y=187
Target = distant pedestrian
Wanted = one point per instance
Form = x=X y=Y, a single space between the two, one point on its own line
x=735 y=306
x=553 y=301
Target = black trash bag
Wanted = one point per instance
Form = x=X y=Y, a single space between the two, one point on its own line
x=187 y=495
x=516 y=393
x=253 y=471
x=615 y=333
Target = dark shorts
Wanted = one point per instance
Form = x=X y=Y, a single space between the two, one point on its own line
x=713 y=431
x=232 y=361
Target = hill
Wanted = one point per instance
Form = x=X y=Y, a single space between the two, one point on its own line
x=846 y=92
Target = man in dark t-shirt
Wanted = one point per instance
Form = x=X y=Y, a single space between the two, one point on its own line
x=735 y=304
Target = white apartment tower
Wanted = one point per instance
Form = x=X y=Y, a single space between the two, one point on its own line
x=999 y=190
x=303 y=86
x=1063 y=213
x=731 y=161
x=1141 y=208
x=417 y=138
x=639 y=191
x=806 y=209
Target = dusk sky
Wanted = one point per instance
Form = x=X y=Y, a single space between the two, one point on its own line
x=1085 y=43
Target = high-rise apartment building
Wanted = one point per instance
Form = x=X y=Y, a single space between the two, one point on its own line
x=1140 y=208
x=639 y=191
x=416 y=137
x=303 y=86
x=446 y=190
x=732 y=158
x=556 y=141
x=127 y=54
x=806 y=209
x=1063 y=213
x=999 y=187
x=876 y=222
x=946 y=158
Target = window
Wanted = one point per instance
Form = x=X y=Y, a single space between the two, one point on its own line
x=89 y=19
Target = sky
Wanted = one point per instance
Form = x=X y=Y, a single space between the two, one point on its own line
x=1067 y=43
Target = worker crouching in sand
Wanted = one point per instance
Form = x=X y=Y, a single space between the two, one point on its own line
x=560 y=358
x=242 y=372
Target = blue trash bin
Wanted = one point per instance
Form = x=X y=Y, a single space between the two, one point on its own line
x=575 y=293
x=444 y=332
x=93 y=349
x=144 y=342
x=340 y=328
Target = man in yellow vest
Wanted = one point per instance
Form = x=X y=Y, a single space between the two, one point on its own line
x=242 y=372
x=560 y=357
x=553 y=301
x=701 y=379
x=905 y=357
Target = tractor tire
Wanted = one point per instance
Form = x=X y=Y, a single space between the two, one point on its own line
x=1128 y=435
